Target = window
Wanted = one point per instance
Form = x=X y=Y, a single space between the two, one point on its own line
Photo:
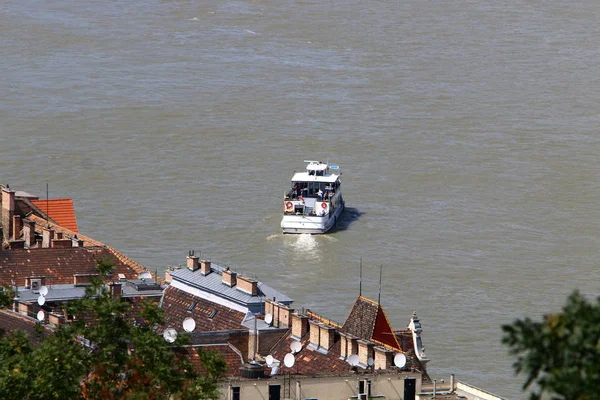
x=235 y=393
x=274 y=392
x=213 y=313
x=192 y=306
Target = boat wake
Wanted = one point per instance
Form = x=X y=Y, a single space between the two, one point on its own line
x=305 y=242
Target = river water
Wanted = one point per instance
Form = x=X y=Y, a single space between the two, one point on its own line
x=467 y=133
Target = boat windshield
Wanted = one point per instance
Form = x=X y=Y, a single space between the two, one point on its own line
x=322 y=190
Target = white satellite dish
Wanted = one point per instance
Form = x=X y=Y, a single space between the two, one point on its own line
x=295 y=347
x=289 y=360
x=145 y=275
x=189 y=324
x=41 y=315
x=399 y=360
x=44 y=290
x=353 y=360
x=268 y=318
x=370 y=361
x=269 y=360
x=41 y=300
x=170 y=335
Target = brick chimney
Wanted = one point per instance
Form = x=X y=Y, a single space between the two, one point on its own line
x=192 y=262
x=281 y=313
x=115 y=289
x=383 y=358
x=29 y=233
x=314 y=334
x=248 y=285
x=47 y=237
x=205 y=267
x=61 y=243
x=326 y=337
x=8 y=210
x=229 y=277
x=365 y=350
x=17 y=226
x=299 y=326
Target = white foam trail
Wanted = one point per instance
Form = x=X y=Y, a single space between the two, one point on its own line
x=194 y=19
x=251 y=32
x=305 y=242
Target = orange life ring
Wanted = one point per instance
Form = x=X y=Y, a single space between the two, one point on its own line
x=288 y=205
x=324 y=205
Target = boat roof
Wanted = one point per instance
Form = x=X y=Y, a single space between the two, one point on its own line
x=327 y=176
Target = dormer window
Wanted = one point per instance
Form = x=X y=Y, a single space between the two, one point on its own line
x=192 y=306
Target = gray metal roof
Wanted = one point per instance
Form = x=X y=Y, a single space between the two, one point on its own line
x=69 y=292
x=212 y=283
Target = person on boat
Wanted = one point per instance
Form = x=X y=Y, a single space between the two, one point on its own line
x=320 y=194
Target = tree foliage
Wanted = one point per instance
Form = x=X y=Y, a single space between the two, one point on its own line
x=560 y=355
x=104 y=354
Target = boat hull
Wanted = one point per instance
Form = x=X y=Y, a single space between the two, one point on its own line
x=310 y=224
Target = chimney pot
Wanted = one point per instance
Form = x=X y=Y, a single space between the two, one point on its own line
x=205 y=267
x=192 y=263
x=229 y=277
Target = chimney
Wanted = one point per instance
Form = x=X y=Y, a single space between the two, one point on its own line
x=29 y=233
x=16 y=244
x=192 y=262
x=383 y=358
x=62 y=243
x=248 y=285
x=299 y=326
x=54 y=319
x=365 y=350
x=229 y=277
x=47 y=236
x=282 y=314
x=115 y=289
x=205 y=267
x=326 y=337
x=82 y=279
x=314 y=334
x=35 y=282
x=8 y=210
x=17 y=226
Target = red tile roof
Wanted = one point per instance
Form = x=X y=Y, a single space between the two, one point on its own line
x=58 y=265
x=60 y=210
x=11 y=321
x=179 y=305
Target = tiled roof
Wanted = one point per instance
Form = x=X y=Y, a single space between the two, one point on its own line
x=309 y=361
x=11 y=321
x=368 y=321
x=179 y=305
x=229 y=352
x=60 y=210
x=56 y=264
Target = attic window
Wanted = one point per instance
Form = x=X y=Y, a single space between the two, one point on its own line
x=192 y=306
x=213 y=313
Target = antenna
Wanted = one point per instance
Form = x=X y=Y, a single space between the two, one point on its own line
x=353 y=360
x=44 y=290
x=41 y=300
x=47 y=205
x=295 y=347
x=360 y=279
x=268 y=318
x=399 y=360
x=380 y=273
x=370 y=361
x=269 y=360
x=189 y=324
x=170 y=335
x=289 y=360
x=41 y=315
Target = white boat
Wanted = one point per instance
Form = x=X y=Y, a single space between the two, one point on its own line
x=314 y=203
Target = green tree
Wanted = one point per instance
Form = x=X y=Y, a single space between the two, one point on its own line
x=561 y=353
x=103 y=354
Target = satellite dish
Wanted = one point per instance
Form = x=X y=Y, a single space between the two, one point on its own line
x=269 y=360
x=268 y=318
x=289 y=360
x=295 y=347
x=189 y=324
x=145 y=275
x=399 y=360
x=44 y=290
x=41 y=315
x=41 y=300
x=370 y=362
x=353 y=360
x=170 y=335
